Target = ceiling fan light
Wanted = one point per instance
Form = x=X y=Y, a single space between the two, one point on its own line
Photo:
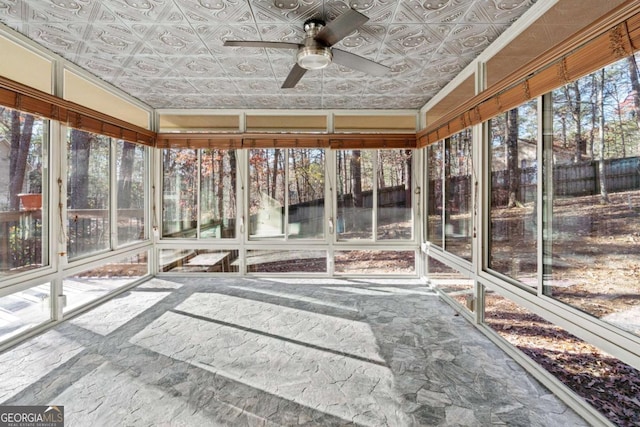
x=314 y=58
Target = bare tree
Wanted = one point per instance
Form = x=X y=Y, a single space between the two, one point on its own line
x=635 y=86
x=513 y=168
x=604 y=194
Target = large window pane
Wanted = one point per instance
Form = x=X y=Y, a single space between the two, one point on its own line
x=132 y=178
x=199 y=260
x=394 y=214
x=284 y=261
x=453 y=283
x=513 y=154
x=355 y=194
x=266 y=192
x=435 y=163
x=306 y=193
x=24 y=310
x=218 y=194
x=23 y=178
x=604 y=381
x=592 y=195
x=458 y=182
x=88 y=193
x=179 y=193
x=90 y=285
x=375 y=262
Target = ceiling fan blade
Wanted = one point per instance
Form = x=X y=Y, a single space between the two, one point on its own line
x=294 y=77
x=257 y=43
x=359 y=63
x=341 y=27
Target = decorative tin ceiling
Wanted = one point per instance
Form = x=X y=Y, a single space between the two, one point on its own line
x=169 y=53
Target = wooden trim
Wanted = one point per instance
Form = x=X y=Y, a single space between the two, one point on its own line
x=288 y=140
x=24 y=98
x=605 y=41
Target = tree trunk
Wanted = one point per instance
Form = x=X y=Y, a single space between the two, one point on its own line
x=513 y=168
x=408 y=174
x=604 y=194
x=125 y=179
x=79 y=179
x=20 y=145
x=356 y=174
x=635 y=86
x=577 y=116
x=274 y=184
x=219 y=162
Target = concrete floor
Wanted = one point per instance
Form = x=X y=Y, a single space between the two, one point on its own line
x=254 y=352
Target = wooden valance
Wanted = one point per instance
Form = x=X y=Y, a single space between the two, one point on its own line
x=289 y=140
x=29 y=100
x=609 y=39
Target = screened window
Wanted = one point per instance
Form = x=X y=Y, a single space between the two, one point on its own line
x=286 y=193
x=374 y=178
x=24 y=141
x=179 y=193
x=88 y=193
x=218 y=170
x=592 y=195
x=435 y=162
x=458 y=184
x=513 y=186
x=132 y=178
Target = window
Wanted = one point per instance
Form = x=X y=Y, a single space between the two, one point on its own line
x=458 y=184
x=286 y=193
x=179 y=193
x=131 y=173
x=592 y=195
x=218 y=170
x=435 y=160
x=88 y=190
x=24 y=141
x=380 y=178
x=513 y=186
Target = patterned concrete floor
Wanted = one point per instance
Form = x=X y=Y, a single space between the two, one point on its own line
x=254 y=352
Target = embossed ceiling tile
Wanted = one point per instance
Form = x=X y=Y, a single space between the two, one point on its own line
x=149 y=65
x=339 y=71
x=103 y=67
x=394 y=87
x=383 y=102
x=412 y=40
x=170 y=86
x=112 y=39
x=432 y=11
x=471 y=39
x=344 y=87
x=309 y=84
x=340 y=102
x=378 y=11
x=498 y=11
x=215 y=35
x=278 y=32
x=215 y=86
x=264 y=101
x=11 y=11
x=57 y=37
x=248 y=67
x=194 y=66
x=257 y=86
x=135 y=88
x=67 y=11
x=173 y=39
x=303 y=101
x=265 y=11
x=145 y=11
x=215 y=10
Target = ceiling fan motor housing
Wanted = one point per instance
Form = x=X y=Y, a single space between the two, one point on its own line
x=313 y=55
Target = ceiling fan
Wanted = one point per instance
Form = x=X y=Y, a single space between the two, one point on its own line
x=315 y=52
